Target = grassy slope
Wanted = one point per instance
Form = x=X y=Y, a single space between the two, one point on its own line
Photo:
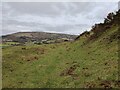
x=47 y=65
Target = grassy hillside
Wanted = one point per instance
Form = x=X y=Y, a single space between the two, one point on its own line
x=78 y=64
x=91 y=61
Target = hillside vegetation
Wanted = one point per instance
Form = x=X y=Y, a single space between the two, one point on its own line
x=91 y=61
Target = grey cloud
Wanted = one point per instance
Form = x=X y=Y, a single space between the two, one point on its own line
x=14 y=22
x=34 y=8
x=57 y=8
x=53 y=8
x=66 y=28
x=21 y=26
x=119 y=5
x=66 y=17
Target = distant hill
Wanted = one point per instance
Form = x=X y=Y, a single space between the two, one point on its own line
x=23 y=37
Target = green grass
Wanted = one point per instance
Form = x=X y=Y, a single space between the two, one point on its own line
x=41 y=66
x=6 y=44
x=9 y=43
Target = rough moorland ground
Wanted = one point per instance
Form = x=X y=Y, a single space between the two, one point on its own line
x=78 y=64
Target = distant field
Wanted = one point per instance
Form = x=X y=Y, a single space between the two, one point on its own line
x=8 y=44
x=78 y=64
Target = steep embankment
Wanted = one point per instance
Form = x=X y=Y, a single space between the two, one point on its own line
x=91 y=61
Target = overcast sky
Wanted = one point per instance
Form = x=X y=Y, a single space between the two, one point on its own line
x=58 y=17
